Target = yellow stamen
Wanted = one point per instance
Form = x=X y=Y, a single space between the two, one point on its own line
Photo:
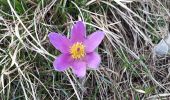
x=77 y=50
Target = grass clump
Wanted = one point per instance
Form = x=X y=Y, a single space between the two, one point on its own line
x=129 y=70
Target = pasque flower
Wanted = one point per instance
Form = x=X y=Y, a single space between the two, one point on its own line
x=78 y=52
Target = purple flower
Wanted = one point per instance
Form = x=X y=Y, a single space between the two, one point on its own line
x=78 y=52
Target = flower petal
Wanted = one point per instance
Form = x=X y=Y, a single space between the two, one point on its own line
x=79 y=68
x=59 y=41
x=78 y=32
x=93 y=41
x=62 y=62
x=93 y=60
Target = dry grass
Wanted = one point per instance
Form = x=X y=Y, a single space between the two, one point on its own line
x=129 y=68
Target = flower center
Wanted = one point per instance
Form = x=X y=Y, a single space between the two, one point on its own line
x=77 y=50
